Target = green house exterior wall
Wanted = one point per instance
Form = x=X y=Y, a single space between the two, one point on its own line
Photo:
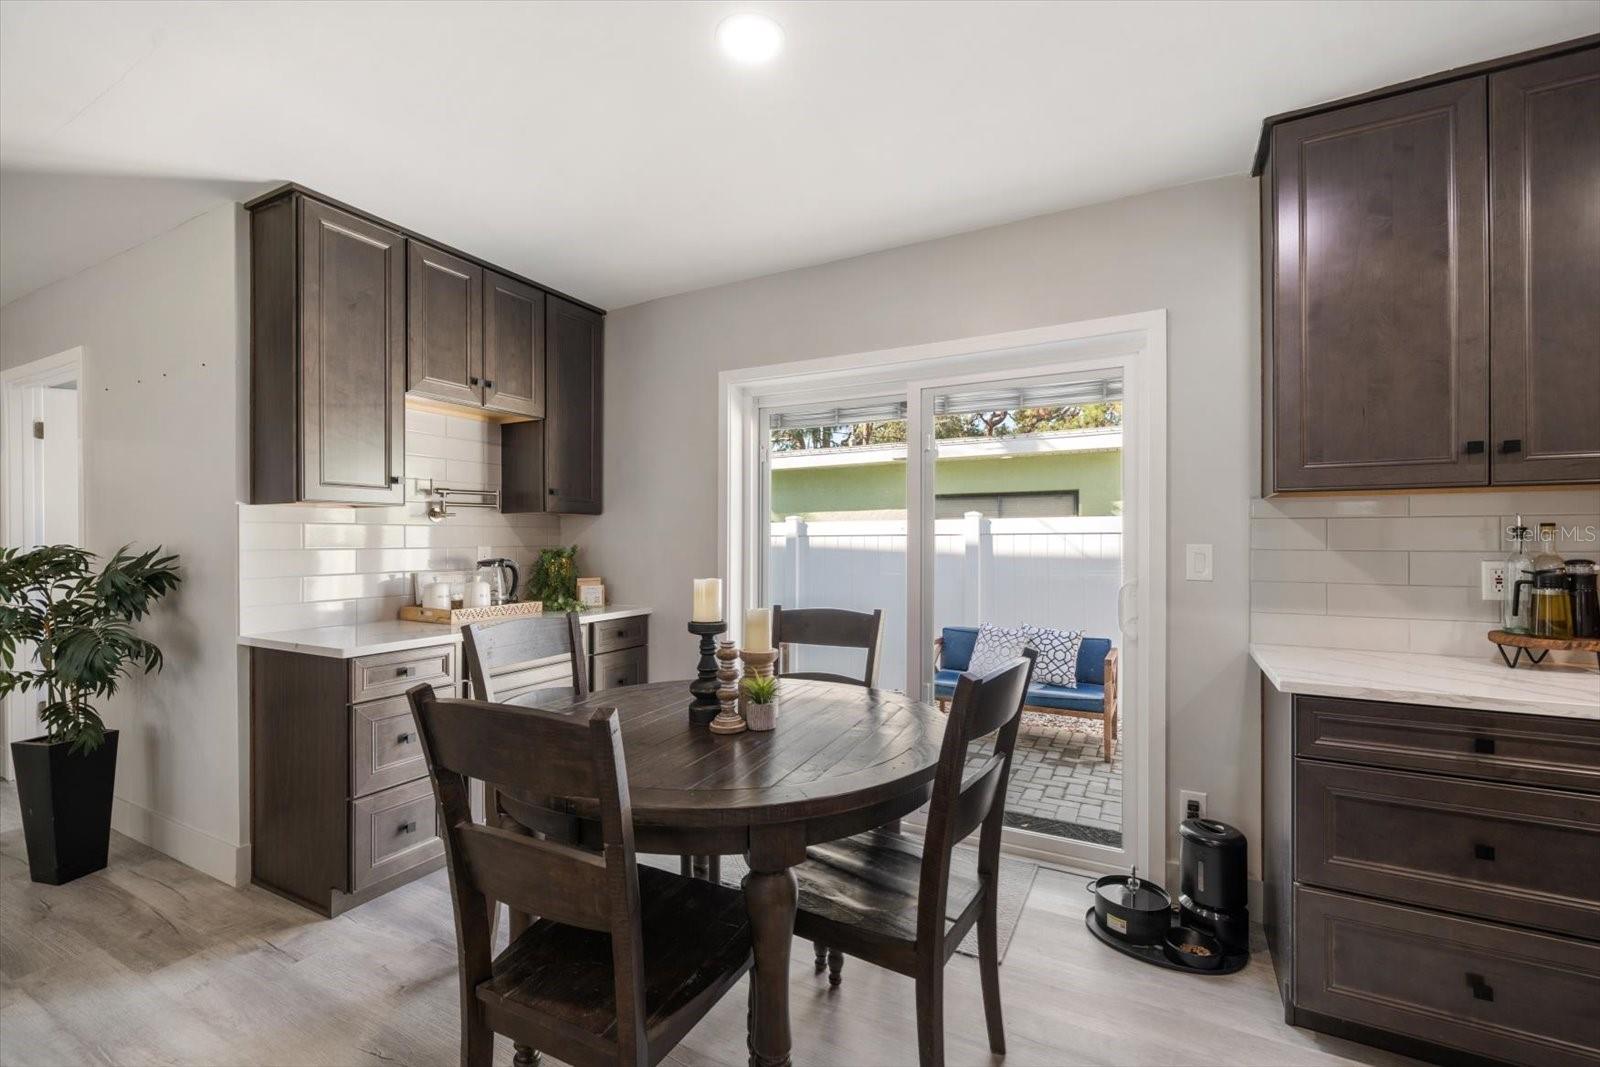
x=806 y=492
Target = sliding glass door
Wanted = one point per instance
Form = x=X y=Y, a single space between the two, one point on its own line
x=835 y=508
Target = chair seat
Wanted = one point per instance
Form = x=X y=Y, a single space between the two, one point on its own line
x=868 y=885
x=1086 y=697
x=696 y=942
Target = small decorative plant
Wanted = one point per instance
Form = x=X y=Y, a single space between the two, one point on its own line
x=554 y=580
x=81 y=626
x=760 y=690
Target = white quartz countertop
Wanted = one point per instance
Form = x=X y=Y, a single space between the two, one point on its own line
x=1447 y=681
x=393 y=635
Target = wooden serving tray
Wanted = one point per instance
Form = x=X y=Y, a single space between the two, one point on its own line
x=1537 y=648
x=456 y=618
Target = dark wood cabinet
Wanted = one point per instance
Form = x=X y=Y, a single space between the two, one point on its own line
x=351 y=314
x=1431 y=282
x=513 y=346
x=444 y=325
x=328 y=355
x=1380 y=341
x=572 y=425
x=1544 y=143
x=1428 y=876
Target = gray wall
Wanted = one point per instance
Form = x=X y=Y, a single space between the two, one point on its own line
x=163 y=327
x=1190 y=250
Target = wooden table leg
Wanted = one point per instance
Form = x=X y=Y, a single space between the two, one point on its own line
x=770 y=894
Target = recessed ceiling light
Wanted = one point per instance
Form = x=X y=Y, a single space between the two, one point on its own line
x=749 y=38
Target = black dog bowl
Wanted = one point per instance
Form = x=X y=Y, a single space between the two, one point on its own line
x=1176 y=939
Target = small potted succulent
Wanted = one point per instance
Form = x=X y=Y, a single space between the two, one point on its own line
x=79 y=627
x=761 y=701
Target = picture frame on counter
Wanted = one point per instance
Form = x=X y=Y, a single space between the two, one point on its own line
x=592 y=592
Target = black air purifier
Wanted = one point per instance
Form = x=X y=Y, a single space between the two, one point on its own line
x=1214 y=894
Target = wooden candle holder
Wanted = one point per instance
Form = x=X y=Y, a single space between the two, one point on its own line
x=728 y=720
x=704 y=707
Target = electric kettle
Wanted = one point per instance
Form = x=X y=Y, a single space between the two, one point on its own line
x=493 y=571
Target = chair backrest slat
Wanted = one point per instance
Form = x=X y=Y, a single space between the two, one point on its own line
x=517 y=656
x=545 y=878
x=961 y=802
x=831 y=628
x=512 y=746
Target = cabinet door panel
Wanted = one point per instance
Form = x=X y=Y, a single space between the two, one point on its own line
x=1544 y=130
x=572 y=417
x=353 y=358
x=444 y=325
x=513 y=350
x=1380 y=343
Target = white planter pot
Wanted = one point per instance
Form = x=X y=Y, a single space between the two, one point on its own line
x=761 y=716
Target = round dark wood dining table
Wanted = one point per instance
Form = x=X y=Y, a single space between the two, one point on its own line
x=842 y=760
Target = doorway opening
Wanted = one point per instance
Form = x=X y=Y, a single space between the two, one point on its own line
x=41 y=454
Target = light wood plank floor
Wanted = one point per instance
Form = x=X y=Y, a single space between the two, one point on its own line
x=150 y=962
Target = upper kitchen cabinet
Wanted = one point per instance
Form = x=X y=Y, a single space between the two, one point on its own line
x=1544 y=166
x=1379 y=351
x=444 y=326
x=1431 y=282
x=513 y=346
x=572 y=432
x=328 y=355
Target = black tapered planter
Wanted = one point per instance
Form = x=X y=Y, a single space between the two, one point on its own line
x=66 y=806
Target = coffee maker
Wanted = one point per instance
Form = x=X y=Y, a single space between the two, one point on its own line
x=1214 y=894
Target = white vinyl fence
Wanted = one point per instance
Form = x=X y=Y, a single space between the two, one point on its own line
x=1060 y=572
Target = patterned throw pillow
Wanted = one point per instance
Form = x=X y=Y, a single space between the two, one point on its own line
x=996 y=647
x=1058 y=654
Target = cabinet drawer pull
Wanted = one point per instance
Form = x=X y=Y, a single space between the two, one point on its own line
x=472 y=380
x=405 y=672
x=1481 y=990
x=394 y=479
x=403 y=739
x=408 y=827
x=487 y=384
x=1483 y=852
x=1474 y=448
x=1484 y=746
x=553 y=492
x=1511 y=445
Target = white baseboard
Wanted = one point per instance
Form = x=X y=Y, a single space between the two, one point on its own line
x=222 y=860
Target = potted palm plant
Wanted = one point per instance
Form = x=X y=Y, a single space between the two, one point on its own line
x=80 y=626
x=761 y=701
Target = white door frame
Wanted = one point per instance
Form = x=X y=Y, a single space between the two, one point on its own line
x=1138 y=344
x=19 y=498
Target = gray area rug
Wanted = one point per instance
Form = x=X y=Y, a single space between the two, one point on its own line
x=1016 y=882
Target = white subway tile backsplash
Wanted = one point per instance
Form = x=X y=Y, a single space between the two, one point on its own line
x=1290 y=507
x=306 y=566
x=1295 y=598
x=1453 y=534
x=354 y=535
x=1546 y=502
x=1383 y=568
x=1411 y=602
x=1329 y=631
x=1398 y=571
x=1289 y=533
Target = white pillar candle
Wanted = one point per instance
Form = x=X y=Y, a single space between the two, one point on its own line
x=758 y=630
x=707 y=600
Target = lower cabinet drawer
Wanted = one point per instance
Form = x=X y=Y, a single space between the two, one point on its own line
x=1491 y=990
x=1520 y=855
x=612 y=670
x=619 y=633
x=393 y=831
x=384 y=747
x=390 y=674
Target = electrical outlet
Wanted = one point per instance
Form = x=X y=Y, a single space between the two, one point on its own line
x=1494 y=580
x=1191 y=805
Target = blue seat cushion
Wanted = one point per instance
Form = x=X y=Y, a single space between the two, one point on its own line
x=959 y=641
x=1086 y=697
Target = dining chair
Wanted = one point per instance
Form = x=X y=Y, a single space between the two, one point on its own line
x=624 y=960
x=831 y=627
x=883 y=898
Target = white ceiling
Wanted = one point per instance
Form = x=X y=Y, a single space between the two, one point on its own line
x=608 y=150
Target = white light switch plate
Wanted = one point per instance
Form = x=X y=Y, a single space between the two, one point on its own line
x=1197 y=563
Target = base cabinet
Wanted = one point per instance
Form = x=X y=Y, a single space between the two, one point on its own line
x=1432 y=877
x=341 y=807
